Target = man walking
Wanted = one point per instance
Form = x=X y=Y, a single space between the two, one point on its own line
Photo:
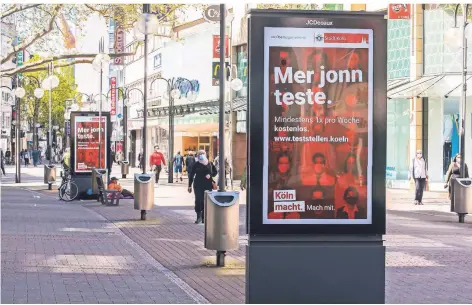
x=189 y=162
x=177 y=164
x=419 y=173
x=156 y=160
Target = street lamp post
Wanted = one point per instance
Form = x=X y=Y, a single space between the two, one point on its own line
x=52 y=81
x=99 y=61
x=126 y=96
x=466 y=31
x=19 y=94
x=172 y=93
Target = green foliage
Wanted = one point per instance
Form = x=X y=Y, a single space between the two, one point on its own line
x=37 y=110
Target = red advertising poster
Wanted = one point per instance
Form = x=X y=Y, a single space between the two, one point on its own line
x=113 y=95
x=318 y=135
x=399 y=11
x=216 y=46
x=87 y=141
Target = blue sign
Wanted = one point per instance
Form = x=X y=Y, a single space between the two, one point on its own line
x=118 y=115
x=89 y=192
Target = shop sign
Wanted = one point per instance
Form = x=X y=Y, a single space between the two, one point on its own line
x=119 y=45
x=216 y=46
x=216 y=70
x=212 y=13
x=113 y=95
x=399 y=11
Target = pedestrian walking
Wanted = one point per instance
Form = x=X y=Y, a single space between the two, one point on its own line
x=419 y=173
x=227 y=168
x=8 y=156
x=454 y=172
x=177 y=163
x=156 y=161
x=141 y=159
x=189 y=162
x=26 y=157
x=202 y=174
x=243 y=184
x=35 y=157
x=2 y=162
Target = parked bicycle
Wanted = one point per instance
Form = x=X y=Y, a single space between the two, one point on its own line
x=68 y=190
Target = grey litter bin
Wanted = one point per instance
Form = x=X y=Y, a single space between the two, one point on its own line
x=96 y=172
x=462 y=197
x=49 y=175
x=124 y=169
x=221 y=223
x=143 y=193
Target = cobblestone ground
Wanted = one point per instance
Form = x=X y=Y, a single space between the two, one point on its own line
x=55 y=252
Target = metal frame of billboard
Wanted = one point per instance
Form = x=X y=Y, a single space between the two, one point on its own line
x=259 y=20
x=75 y=114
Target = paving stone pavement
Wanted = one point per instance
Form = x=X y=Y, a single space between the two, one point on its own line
x=55 y=252
x=428 y=252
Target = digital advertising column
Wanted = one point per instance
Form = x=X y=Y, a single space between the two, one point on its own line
x=319 y=81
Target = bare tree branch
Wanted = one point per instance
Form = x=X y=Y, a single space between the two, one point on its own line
x=30 y=41
x=18 y=9
x=62 y=64
x=36 y=66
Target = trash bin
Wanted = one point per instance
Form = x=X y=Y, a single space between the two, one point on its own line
x=143 y=193
x=221 y=220
x=49 y=175
x=124 y=168
x=462 y=197
x=95 y=173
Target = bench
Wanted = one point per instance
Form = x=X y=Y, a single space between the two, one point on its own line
x=113 y=199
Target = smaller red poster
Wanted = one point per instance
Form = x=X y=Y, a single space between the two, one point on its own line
x=399 y=11
x=113 y=95
x=216 y=46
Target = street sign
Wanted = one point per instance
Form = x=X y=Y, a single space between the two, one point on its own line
x=119 y=116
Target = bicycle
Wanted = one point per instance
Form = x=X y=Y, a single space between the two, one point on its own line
x=68 y=190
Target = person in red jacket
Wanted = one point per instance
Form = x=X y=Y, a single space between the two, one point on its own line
x=156 y=160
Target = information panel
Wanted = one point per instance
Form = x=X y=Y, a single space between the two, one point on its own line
x=86 y=134
x=318 y=88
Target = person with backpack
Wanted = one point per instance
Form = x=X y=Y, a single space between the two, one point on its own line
x=178 y=163
x=418 y=171
x=189 y=162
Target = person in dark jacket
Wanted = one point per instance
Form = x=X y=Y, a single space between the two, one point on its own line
x=453 y=172
x=201 y=178
x=189 y=162
x=351 y=210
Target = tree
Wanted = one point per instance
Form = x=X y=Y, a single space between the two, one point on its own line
x=37 y=110
x=40 y=27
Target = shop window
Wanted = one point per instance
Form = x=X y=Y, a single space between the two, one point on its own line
x=398 y=133
x=241 y=122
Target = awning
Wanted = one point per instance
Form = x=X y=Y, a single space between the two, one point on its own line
x=396 y=82
x=433 y=86
x=239 y=104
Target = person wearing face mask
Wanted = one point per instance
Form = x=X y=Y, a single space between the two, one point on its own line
x=201 y=177
x=418 y=171
x=320 y=175
x=454 y=172
x=351 y=210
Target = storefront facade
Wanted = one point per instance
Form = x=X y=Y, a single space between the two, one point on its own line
x=429 y=104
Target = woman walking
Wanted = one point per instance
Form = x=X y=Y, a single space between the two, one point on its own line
x=201 y=176
x=418 y=171
x=454 y=172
